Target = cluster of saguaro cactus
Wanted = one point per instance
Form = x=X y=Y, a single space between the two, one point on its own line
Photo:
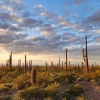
x=85 y=54
x=33 y=76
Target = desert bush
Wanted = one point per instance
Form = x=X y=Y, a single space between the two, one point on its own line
x=1 y=73
x=6 y=79
x=73 y=90
x=43 y=77
x=80 y=78
x=70 y=78
x=21 y=82
x=52 y=89
x=48 y=98
x=3 y=88
x=83 y=98
x=14 y=73
x=6 y=97
x=29 y=93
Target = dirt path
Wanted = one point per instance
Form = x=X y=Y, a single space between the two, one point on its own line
x=90 y=90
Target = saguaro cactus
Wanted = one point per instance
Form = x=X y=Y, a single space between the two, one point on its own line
x=62 y=65
x=69 y=63
x=25 y=65
x=19 y=63
x=30 y=65
x=33 y=76
x=82 y=65
x=11 y=60
x=66 y=61
x=85 y=54
x=59 y=62
x=10 y=63
x=46 y=65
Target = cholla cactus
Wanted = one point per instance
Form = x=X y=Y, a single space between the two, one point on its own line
x=85 y=55
x=33 y=76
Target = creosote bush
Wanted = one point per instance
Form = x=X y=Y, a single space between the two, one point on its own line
x=29 y=93
x=52 y=89
x=21 y=82
x=83 y=98
x=3 y=88
x=73 y=90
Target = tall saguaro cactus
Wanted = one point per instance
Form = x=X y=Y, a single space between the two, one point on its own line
x=10 y=62
x=59 y=62
x=85 y=55
x=62 y=65
x=30 y=65
x=46 y=65
x=66 y=61
x=19 y=63
x=69 y=63
x=25 y=65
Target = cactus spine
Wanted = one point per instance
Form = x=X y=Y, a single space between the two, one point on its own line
x=85 y=55
x=33 y=76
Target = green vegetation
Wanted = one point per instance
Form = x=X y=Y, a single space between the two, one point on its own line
x=50 y=84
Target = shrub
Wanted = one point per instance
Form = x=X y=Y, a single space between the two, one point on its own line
x=48 y=98
x=22 y=82
x=6 y=97
x=52 y=89
x=73 y=90
x=3 y=88
x=28 y=94
x=13 y=74
x=70 y=78
x=83 y=98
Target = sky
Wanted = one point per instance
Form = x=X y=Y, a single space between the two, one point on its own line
x=44 y=29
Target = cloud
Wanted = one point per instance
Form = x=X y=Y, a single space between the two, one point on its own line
x=30 y=22
x=7 y=36
x=46 y=30
x=78 y=2
x=15 y=4
x=26 y=13
x=47 y=14
x=38 y=6
x=94 y=18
